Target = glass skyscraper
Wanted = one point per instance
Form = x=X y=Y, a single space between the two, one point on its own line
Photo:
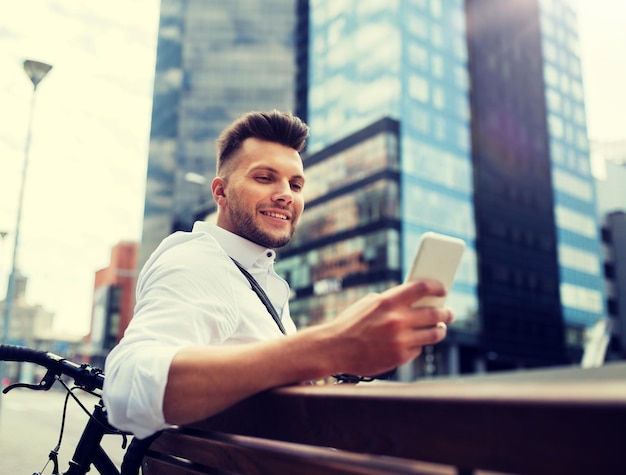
x=406 y=60
x=579 y=242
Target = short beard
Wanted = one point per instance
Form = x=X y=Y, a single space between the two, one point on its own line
x=247 y=228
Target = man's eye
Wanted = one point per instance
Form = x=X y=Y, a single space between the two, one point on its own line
x=263 y=178
x=296 y=186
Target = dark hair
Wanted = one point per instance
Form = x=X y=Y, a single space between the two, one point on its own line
x=273 y=126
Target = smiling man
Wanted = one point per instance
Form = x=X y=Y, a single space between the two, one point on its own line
x=260 y=167
x=212 y=324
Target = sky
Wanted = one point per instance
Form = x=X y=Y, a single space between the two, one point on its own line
x=85 y=180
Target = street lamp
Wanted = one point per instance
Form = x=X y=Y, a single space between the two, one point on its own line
x=35 y=71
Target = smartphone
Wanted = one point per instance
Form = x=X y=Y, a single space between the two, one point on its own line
x=438 y=257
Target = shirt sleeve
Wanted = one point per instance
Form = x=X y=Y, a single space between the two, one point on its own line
x=134 y=387
x=176 y=307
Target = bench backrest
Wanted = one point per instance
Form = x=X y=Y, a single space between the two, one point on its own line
x=541 y=422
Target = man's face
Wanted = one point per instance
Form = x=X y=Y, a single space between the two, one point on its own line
x=261 y=197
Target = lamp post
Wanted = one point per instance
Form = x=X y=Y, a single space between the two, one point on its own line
x=35 y=71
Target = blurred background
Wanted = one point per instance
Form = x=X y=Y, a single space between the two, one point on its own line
x=502 y=123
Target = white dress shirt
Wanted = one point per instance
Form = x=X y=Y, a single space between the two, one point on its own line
x=189 y=292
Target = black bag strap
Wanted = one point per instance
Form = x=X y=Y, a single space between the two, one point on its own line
x=342 y=377
x=262 y=295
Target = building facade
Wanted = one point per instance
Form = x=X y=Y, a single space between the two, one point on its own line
x=405 y=60
x=612 y=213
x=113 y=302
x=29 y=326
x=29 y=323
x=514 y=200
x=578 y=228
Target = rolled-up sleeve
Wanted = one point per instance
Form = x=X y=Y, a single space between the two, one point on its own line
x=134 y=387
x=176 y=308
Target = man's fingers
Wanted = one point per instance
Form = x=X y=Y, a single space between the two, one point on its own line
x=430 y=316
x=410 y=292
x=429 y=335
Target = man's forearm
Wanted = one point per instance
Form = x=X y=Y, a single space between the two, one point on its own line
x=204 y=380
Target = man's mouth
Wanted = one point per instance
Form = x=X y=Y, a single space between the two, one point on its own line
x=274 y=214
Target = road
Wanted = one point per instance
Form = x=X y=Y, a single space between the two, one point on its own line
x=30 y=422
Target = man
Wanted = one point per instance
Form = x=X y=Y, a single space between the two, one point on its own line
x=202 y=340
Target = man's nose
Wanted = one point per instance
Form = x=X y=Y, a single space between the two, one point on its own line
x=283 y=192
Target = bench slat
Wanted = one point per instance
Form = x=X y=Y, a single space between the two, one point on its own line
x=251 y=456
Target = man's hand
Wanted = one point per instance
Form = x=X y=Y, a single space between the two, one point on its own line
x=382 y=331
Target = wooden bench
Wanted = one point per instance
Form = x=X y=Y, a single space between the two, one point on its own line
x=561 y=421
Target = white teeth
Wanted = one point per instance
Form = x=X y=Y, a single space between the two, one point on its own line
x=276 y=215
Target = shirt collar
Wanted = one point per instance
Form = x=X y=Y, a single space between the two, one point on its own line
x=247 y=253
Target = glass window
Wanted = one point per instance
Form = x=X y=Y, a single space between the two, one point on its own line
x=424 y=160
x=461 y=77
x=436 y=36
x=557 y=152
x=549 y=51
x=578 y=259
x=439 y=128
x=419 y=88
x=554 y=100
x=576 y=222
x=462 y=108
x=565 y=83
x=432 y=209
x=418 y=118
x=435 y=8
x=460 y=49
x=584 y=165
x=579 y=115
x=555 y=124
x=463 y=138
x=581 y=298
x=551 y=75
x=369 y=204
x=417 y=26
x=418 y=56
x=439 y=98
x=572 y=185
x=437 y=66
x=349 y=166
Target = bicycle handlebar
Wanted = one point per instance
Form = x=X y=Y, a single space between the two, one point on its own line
x=84 y=375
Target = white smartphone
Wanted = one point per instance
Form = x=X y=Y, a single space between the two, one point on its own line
x=438 y=257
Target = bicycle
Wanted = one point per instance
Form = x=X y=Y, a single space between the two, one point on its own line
x=88 y=451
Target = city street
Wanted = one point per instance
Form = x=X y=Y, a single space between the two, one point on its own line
x=29 y=428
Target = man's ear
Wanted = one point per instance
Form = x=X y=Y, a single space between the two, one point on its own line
x=218 y=188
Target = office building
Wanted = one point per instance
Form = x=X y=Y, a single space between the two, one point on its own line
x=113 y=302
x=407 y=62
x=612 y=214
